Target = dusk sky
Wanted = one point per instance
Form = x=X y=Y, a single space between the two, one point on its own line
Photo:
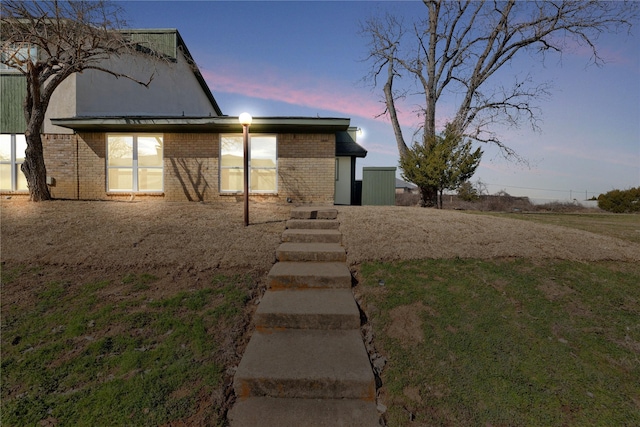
x=304 y=58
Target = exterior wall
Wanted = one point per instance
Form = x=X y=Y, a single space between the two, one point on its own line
x=61 y=105
x=343 y=181
x=174 y=90
x=61 y=159
x=306 y=168
x=191 y=166
x=13 y=91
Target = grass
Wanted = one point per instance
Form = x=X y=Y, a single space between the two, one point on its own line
x=621 y=226
x=77 y=357
x=508 y=342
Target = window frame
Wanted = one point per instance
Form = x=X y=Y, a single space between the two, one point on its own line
x=14 y=165
x=251 y=167
x=135 y=164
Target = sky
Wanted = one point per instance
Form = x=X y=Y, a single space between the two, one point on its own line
x=308 y=58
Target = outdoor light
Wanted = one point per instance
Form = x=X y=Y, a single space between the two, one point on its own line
x=245 y=120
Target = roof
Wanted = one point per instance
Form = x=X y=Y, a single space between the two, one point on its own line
x=167 y=42
x=219 y=124
x=347 y=146
x=401 y=184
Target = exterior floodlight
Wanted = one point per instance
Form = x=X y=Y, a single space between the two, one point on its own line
x=245 y=121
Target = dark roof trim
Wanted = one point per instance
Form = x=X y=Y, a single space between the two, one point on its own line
x=196 y=72
x=203 y=124
x=347 y=146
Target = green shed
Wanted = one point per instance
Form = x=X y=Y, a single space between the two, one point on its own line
x=379 y=186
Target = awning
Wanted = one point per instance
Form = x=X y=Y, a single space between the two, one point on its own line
x=220 y=124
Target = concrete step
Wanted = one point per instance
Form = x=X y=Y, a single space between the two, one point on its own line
x=307 y=212
x=298 y=235
x=313 y=224
x=309 y=364
x=274 y=412
x=322 y=252
x=308 y=309
x=309 y=275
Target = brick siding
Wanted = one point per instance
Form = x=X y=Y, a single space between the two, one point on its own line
x=306 y=168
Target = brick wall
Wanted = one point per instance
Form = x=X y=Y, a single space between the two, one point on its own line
x=191 y=166
x=60 y=160
x=306 y=167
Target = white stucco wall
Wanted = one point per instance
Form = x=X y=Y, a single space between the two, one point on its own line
x=62 y=104
x=173 y=91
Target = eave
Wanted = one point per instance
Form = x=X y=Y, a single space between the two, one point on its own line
x=223 y=124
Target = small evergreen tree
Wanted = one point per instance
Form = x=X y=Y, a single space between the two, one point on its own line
x=442 y=164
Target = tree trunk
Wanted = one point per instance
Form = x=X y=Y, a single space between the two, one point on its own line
x=34 y=168
x=428 y=197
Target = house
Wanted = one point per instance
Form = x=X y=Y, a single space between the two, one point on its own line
x=106 y=138
x=405 y=187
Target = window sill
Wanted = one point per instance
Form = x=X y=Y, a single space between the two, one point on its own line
x=135 y=193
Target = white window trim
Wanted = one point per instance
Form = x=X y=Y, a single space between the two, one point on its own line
x=15 y=168
x=220 y=167
x=134 y=167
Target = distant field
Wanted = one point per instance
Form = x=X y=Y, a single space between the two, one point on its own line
x=621 y=226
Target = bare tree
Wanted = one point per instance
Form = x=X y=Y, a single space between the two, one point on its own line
x=47 y=41
x=459 y=45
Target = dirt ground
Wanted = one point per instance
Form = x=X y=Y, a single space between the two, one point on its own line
x=189 y=240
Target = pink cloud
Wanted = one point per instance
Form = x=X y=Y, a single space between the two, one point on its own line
x=267 y=83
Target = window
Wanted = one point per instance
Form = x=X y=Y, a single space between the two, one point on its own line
x=134 y=163
x=263 y=164
x=12 y=149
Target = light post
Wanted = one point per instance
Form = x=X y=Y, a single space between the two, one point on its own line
x=245 y=121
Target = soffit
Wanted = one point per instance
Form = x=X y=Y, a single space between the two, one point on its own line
x=224 y=124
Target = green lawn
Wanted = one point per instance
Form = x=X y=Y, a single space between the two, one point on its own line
x=508 y=343
x=75 y=356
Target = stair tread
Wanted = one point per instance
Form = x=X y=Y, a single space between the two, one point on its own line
x=287 y=412
x=293 y=224
x=327 y=252
x=305 y=363
x=309 y=274
x=308 y=309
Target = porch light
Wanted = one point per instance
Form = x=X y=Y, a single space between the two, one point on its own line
x=245 y=120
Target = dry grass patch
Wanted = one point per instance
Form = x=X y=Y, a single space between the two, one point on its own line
x=385 y=233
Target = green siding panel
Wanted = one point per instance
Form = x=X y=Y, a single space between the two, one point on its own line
x=379 y=186
x=13 y=90
x=161 y=42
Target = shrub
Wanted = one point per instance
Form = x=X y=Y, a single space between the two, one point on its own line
x=468 y=192
x=620 y=201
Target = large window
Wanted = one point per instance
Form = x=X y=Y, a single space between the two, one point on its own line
x=134 y=163
x=263 y=164
x=12 y=149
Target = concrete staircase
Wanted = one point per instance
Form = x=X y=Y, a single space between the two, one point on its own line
x=306 y=364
